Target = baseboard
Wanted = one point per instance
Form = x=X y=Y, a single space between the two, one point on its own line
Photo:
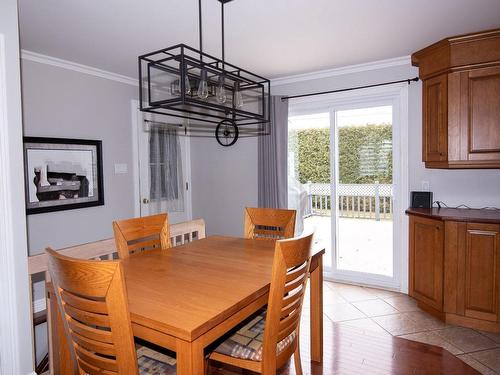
x=465 y=321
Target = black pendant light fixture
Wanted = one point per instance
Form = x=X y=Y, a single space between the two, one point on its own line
x=214 y=97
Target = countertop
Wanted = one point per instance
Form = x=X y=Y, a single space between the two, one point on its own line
x=458 y=214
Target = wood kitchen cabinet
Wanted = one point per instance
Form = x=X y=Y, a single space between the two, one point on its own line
x=455 y=265
x=426 y=258
x=481 y=278
x=461 y=101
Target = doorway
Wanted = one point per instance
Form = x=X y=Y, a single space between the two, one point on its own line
x=347 y=156
x=145 y=165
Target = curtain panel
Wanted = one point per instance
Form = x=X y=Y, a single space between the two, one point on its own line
x=165 y=171
x=272 y=158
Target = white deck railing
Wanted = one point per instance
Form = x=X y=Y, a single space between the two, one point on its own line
x=367 y=201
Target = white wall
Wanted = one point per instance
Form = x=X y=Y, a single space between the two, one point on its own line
x=62 y=103
x=15 y=323
x=224 y=181
x=477 y=188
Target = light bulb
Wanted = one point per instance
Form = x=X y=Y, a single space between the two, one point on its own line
x=238 y=98
x=187 y=85
x=220 y=91
x=203 y=86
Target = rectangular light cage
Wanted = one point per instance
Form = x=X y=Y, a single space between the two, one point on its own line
x=164 y=76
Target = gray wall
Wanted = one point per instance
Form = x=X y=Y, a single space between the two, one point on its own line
x=62 y=103
x=224 y=181
x=477 y=188
x=67 y=104
x=15 y=323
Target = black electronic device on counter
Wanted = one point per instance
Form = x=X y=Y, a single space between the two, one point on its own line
x=421 y=199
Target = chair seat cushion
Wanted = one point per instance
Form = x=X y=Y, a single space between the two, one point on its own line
x=246 y=342
x=151 y=362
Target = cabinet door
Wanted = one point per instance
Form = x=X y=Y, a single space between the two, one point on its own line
x=481 y=118
x=435 y=119
x=482 y=272
x=426 y=261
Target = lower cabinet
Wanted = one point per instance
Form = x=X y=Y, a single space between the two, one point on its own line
x=455 y=270
x=481 y=276
x=426 y=261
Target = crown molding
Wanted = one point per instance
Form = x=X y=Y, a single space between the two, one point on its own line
x=348 y=69
x=70 y=65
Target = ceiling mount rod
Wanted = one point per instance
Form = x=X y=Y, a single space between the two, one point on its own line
x=200 y=30
x=222 y=23
x=409 y=80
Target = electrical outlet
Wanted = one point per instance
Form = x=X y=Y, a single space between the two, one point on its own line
x=426 y=186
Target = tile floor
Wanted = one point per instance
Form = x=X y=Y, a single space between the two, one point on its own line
x=396 y=314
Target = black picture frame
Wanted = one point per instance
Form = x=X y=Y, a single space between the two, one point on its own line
x=62 y=174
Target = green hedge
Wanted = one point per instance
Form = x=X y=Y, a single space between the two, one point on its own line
x=365 y=154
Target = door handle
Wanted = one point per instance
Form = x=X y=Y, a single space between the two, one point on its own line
x=145 y=200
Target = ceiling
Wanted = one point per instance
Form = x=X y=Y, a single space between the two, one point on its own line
x=272 y=38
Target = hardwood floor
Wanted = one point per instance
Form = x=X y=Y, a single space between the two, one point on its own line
x=353 y=351
x=360 y=348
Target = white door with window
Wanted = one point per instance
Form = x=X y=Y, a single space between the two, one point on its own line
x=163 y=164
x=348 y=153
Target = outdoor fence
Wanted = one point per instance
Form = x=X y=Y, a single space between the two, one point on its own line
x=367 y=201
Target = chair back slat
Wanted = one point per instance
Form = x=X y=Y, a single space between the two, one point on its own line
x=92 y=300
x=288 y=325
x=144 y=245
x=292 y=258
x=269 y=223
x=90 y=332
x=141 y=233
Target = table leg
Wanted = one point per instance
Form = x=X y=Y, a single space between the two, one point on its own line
x=317 y=311
x=190 y=358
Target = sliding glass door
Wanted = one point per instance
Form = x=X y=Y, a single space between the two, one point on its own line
x=362 y=186
x=346 y=181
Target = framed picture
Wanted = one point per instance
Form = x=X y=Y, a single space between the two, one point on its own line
x=62 y=174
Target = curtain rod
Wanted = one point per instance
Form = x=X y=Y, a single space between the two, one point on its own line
x=350 y=88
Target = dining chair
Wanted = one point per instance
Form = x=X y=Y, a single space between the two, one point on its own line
x=141 y=233
x=267 y=340
x=269 y=223
x=92 y=300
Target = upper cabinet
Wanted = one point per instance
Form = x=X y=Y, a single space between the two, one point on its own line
x=461 y=101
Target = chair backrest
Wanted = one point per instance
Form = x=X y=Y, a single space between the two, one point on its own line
x=141 y=233
x=92 y=300
x=269 y=223
x=290 y=272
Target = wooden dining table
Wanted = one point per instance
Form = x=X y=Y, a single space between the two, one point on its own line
x=186 y=298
